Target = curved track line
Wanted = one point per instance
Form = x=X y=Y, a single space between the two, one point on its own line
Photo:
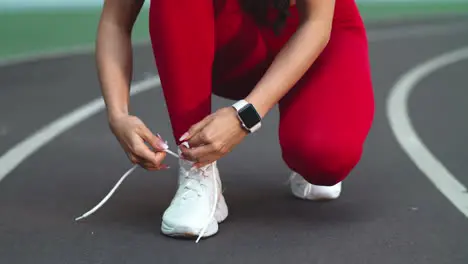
x=377 y=35
x=406 y=134
x=57 y=53
x=417 y=31
x=12 y=158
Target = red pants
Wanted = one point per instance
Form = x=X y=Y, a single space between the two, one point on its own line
x=212 y=46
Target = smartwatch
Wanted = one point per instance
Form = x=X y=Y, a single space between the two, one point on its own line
x=248 y=115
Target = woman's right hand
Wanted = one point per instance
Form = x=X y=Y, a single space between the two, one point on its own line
x=132 y=135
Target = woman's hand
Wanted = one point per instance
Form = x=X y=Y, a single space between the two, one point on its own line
x=213 y=137
x=132 y=135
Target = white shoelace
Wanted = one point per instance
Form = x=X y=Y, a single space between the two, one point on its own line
x=116 y=186
x=215 y=204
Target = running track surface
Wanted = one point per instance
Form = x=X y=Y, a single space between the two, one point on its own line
x=389 y=211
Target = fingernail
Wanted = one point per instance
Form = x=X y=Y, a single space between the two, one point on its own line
x=164 y=145
x=184 y=136
x=165 y=167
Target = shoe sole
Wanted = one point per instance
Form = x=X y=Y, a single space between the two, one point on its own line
x=188 y=232
x=221 y=214
x=317 y=198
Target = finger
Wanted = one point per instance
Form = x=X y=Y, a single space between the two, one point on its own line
x=144 y=153
x=183 y=147
x=206 y=136
x=203 y=153
x=142 y=163
x=150 y=167
x=160 y=156
x=199 y=139
x=196 y=128
x=133 y=159
x=154 y=166
x=155 y=142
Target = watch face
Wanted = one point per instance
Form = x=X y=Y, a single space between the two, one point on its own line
x=249 y=116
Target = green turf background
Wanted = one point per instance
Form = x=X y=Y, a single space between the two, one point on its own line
x=29 y=32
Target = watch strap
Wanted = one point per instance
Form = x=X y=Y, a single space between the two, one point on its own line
x=238 y=106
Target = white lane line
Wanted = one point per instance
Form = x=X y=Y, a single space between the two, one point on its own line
x=376 y=35
x=408 y=138
x=12 y=158
x=20 y=152
x=417 y=31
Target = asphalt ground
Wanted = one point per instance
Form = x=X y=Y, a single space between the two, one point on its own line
x=389 y=211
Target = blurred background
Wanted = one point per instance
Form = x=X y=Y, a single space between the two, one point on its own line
x=59 y=24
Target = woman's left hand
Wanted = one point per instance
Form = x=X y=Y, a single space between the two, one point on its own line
x=213 y=137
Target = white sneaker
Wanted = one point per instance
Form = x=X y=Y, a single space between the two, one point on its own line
x=304 y=190
x=198 y=205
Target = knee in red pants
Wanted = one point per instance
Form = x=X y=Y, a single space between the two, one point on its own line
x=319 y=161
